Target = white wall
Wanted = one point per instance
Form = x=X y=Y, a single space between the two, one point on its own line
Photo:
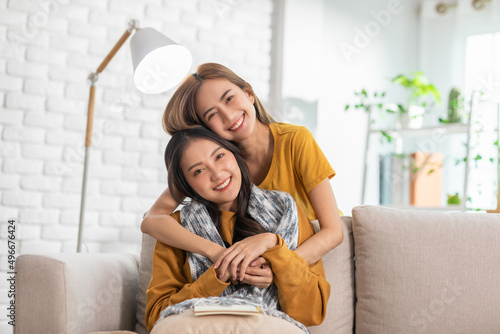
x=392 y=49
x=48 y=48
x=302 y=42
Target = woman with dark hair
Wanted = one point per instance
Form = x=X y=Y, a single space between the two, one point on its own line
x=227 y=209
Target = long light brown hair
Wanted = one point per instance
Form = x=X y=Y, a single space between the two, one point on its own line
x=180 y=113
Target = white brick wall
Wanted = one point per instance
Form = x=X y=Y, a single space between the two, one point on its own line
x=48 y=48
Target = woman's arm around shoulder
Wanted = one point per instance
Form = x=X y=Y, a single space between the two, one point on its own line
x=330 y=235
x=160 y=225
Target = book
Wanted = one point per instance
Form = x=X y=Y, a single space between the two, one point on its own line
x=205 y=309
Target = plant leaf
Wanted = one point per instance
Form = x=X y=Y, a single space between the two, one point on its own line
x=386 y=136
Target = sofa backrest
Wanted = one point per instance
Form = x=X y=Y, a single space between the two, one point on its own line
x=426 y=272
x=339 y=270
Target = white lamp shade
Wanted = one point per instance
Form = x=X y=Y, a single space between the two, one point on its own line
x=159 y=62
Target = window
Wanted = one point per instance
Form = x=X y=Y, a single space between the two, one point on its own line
x=482 y=80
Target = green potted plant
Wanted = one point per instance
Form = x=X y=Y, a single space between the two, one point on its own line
x=420 y=94
x=456 y=107
x=454 y=199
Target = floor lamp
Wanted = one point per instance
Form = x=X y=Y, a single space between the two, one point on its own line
x=159 y=64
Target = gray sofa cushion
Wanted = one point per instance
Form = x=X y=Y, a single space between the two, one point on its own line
x=421 y=272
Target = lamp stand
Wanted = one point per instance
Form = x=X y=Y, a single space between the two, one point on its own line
x=133 y=25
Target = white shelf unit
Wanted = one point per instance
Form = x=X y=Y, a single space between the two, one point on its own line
x=399 y=136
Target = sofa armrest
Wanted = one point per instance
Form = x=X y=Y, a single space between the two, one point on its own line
x=75 y=293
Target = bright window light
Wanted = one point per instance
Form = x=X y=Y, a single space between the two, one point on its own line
x=482 y=79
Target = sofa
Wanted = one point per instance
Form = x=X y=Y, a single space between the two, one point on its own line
x=396 y=271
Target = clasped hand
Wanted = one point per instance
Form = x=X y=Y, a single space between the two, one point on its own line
x=242 y=262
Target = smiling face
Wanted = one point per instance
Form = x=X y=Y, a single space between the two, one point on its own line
x=226 y=109
x=213 y=172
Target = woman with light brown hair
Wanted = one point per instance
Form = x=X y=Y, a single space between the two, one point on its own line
x=279 y=156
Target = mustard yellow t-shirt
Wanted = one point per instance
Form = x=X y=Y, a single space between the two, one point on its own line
x=303 y=289
x=298 y=164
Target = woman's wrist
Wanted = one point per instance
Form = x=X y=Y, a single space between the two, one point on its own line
x=273 y=240
x=213 y=252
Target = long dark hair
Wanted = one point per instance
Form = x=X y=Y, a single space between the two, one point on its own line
x=244 y=226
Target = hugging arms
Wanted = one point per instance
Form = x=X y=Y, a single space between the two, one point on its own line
x=303 y=289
